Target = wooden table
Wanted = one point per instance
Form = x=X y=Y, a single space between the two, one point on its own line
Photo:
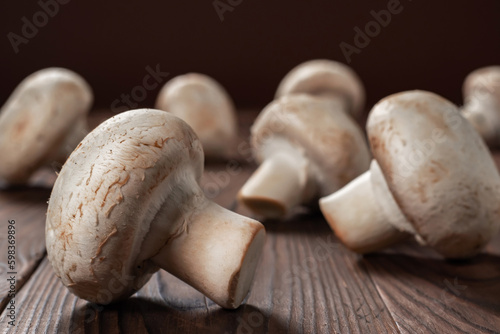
x=306 y=281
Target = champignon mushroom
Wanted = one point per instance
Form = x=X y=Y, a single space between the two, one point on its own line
x=307 y=147
x=432 y=177
x=127 y=202
x=481 y=92
x=326 y=78
x=204 y=104
x=42 y=122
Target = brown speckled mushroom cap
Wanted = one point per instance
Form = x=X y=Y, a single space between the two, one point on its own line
x=331 y=141
x=100 y=211
x=438 y=169
x=42 y=121
x=206 y=106
x=323 y=77
x=127 y=202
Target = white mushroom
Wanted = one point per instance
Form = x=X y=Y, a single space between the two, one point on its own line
x=481 y=92
x=308 y=147
x=326 y=78
x=432 y=177
x=127 y=202
x=42 y=122
x=204 y=104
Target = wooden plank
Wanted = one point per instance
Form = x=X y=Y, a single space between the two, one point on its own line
x=305 y=283
x=427 y=294
x=316 y=284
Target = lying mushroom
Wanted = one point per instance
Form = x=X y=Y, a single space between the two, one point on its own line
x=127 y=202
x=432 y=177
x=307 y=147
x=42 y=122
x=326 y=78
x=204 y=104
x=481 y=92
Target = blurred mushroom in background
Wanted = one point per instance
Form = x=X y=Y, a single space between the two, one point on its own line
x=206 y=106
x=306 y=142
x=42 y=122
x=481 y=91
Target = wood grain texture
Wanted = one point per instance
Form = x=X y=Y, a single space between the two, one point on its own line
x=426 y=294
x=289 y=293
x=27 y=207
x=306 y=281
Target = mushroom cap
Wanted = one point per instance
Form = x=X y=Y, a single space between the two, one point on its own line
x=325 y=78
x=483 y=83
x=118 y=200
x=331 y=141
x=438 y=169
x=36 y=119
x=205 y=105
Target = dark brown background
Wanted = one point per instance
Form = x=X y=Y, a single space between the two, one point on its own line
x=429 y=45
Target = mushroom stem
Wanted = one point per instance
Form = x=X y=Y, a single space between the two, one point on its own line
x=276 y=186
x=217 y=254
x=362 y=228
